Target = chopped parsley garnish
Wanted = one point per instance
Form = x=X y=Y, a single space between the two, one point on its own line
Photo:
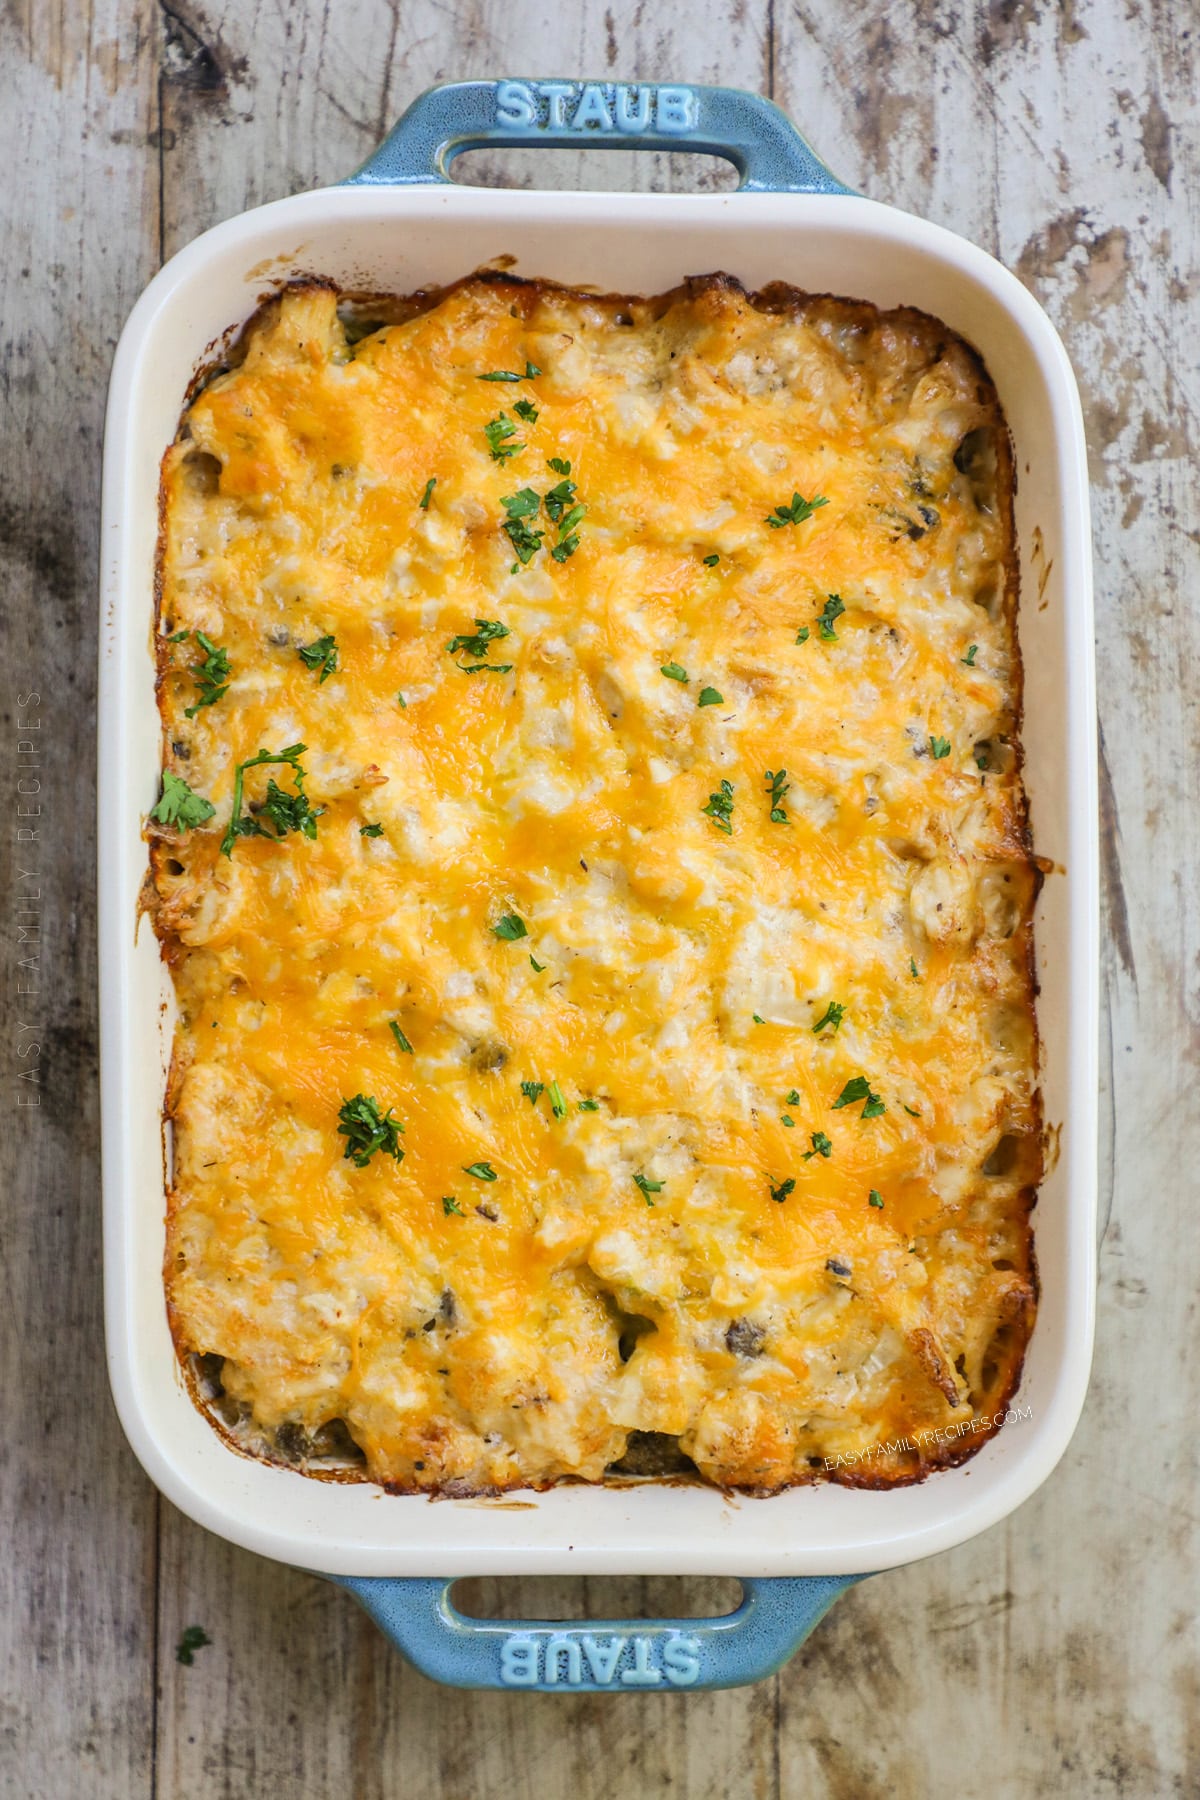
x=711 y=561
x=720 y=808
x=647 y=1186
x=486 y=668
x=757 y=1020
x=710 y=696
x=211 y=676
x=781 y=1192
x=286 y=812
x=856 y=1089
x=475 y=643
x=940 y=747
x=179 y=637
x=510 y=928
x=531 y=370
x=792 y=1099
x=912 y=968
x=402 y=1041
x=795 y=514
x=532 y=1089
x=875 y=1198
x=401 y=702
x=423 y=502
x=784 y=1120
x=559 y=464
x=482 y=1171
x=674 y=672
x=587 y=1105
x=498 y=432
x=777 y=786
x=981 y=759
x=802 y=635
x=450 y=1205
x=912 y=1111
x=321 y=657
x=367 y=1130
x=194 y=1638
x=375 y=830
x=558 y=1105
x=521 y=506
x=566 y=513
x=821 y=1146
x=969 y=658
x=525 y=409
x=178 y=806
x=833 y=1015
x=536 y=966
x=830 y=613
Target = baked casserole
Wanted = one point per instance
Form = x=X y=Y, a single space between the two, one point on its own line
x=593 y=862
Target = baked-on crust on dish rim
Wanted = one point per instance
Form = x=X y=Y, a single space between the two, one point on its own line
x=593 y=865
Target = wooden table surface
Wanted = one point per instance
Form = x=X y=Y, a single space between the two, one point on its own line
x=1057 y=1654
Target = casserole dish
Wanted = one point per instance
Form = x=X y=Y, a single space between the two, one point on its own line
x=398 y=225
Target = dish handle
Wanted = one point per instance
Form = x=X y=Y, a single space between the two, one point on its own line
x=753 y=134
x=600 y=1655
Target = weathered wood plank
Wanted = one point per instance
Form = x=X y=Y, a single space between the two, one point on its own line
x=80 y=231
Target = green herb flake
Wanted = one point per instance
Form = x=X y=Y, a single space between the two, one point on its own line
x=939 y=747
x=710 y=562
x=875 y=1198
x=720 y=808
x=373 y=831
x=781 y=1192
x=856 y=1089
x=211 y=676
x=476 y=642
x=194 y=1638
x=178 y=807
x=401 y=1040
x=874 y=1107
x=674 y=672
x=830 y=613
x=558 y=1105
x=525 y=409
x=709 y=696
x=423 y=502
x=821 y=1146
x=802 y=635
x=485 y=668
x=832 y=1016
x=784 y=1120
x=792 y=1098
x=510 y=928
x=795 y=514
x=587 y=1105
x=757 y=1020
x=367 y=1130
x=969 y=659
x=520 y=507
x=536 y=966
x=912 y=1111
x=321 y=657
x=286 y=812
x=532 y=1089
x=777 y=787
x=509 y=374
x=559 y=464
x=913 y=969
x=450 y=1205
x=482 y=1171
x=499 y=432
x=647 y=1187
x=178 y=637
x=401 y=702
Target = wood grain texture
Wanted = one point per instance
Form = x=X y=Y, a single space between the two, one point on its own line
x=1058 y=1653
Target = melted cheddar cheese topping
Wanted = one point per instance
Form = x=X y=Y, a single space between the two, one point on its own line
x=757 y=1083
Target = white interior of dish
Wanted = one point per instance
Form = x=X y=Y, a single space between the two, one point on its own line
x=398 y=240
